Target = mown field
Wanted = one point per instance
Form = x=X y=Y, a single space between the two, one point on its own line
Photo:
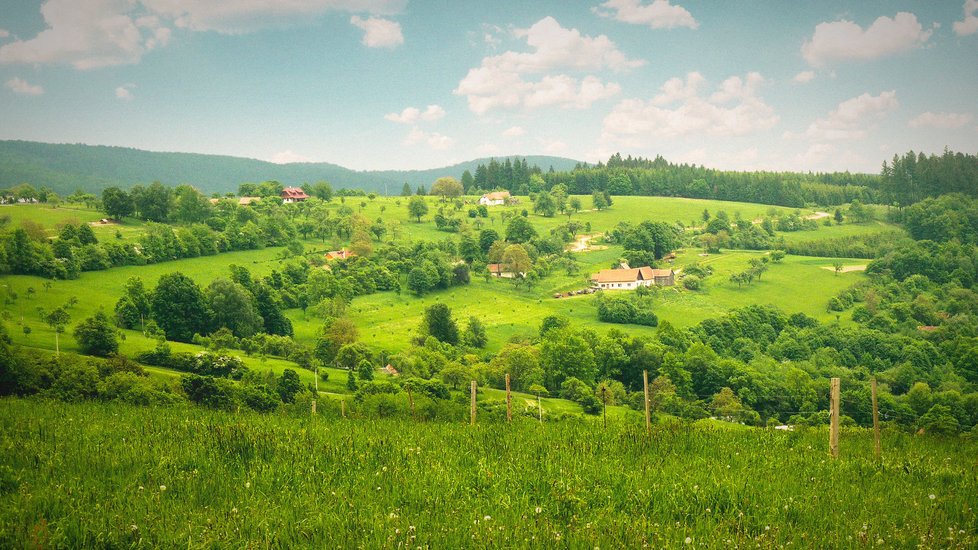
x=109 y=475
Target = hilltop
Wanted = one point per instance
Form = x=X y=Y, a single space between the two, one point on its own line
x=65 y=168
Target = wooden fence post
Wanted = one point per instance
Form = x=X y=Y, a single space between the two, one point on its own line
x=472 y=417
x=834 y=419
x=343 y=408
x=509 y=401
x=540 y=408
x=648 y=412
x=876 y=422
x=410 y=399
x=314 y=407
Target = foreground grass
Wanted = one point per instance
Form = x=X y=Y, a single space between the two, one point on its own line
x=111 y=475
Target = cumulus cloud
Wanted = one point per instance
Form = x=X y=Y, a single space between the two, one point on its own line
x=500 y=80
x=660 y=14
x=945 y=121
x=682 y=109
x=411 y=115
x=844 y=40
x=89 y=34
x=248 y=16
x=433 y=140
x=21 y=86
x=124 y=92
x=379 y=32
x=968 y=25
x=514 y=131
x=852 y=118
x=804 y=77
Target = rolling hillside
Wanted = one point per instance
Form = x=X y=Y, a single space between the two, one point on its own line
x=67 y=167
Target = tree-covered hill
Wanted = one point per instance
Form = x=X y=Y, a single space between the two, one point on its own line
x=65 y=168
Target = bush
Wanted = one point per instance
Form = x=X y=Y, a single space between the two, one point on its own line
x=692 y=282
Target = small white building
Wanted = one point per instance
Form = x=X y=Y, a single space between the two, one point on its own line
x=494 y=199
x=630 y=279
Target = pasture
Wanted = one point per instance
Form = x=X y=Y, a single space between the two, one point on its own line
x=111 y=475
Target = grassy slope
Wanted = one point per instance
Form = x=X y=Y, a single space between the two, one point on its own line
x=387 y=320
x=108 y=475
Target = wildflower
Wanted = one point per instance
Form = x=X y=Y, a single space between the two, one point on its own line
x=133 y=527
x=487 y=518
x=162 y=487
x=539 y=509
x=140 y=487
x=688 y=540
x=234 y=510
x=932 y=496
x=247 y=485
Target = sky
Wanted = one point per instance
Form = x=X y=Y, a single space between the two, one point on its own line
x=410 y=84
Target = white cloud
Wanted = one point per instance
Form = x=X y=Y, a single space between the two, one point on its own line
x=844 y=40
x=288 y=156
x=968 y=25
x=411 y=115
x=434 y=140
x=124 y=92
x=499 y=80
x=246 y=16
x=21 y=86
x=88 y=34
x=379 y=32
x=514 y=131
x=945 y=121
x=852 y=118
x=681 y=110
x=804 y=77
x=658 y=15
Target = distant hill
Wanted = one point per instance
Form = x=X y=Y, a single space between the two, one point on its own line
x=67 y=167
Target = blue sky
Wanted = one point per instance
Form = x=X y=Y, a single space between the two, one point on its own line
x=401 y=84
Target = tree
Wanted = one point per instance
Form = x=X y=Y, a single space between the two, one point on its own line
x=573 y=206
x=455 y=375
x=96 y=336
x=545 y=205
x=406 y=190
x=288 y=386
x=116 y=203
x=447 y=188
x=475 y=333
x=438 y=322
x=134 y=307
x=519 y=230
x=467 y=181
x=564 y=353
x=154 y=202
x=598 y=200
x=365 y=370
x=516 y=260
x=334 y=336
x=233 y=307
x=179 y=307
x=417 y=207
x=190 y=205
x=57 y=319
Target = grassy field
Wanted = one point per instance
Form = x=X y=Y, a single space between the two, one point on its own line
x=387 y=320
x=108 y=475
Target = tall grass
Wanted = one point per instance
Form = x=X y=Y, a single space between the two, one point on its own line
x=93 y=475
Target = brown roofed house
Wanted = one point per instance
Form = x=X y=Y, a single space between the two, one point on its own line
x=293 y=194
x=628 y=279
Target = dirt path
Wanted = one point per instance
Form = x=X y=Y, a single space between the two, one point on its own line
x=582 y=244
x=817 y=216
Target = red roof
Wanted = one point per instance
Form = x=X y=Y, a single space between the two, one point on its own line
x=339 y=254
x=294 y=193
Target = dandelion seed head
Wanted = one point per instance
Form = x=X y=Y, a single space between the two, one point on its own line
x=932 y=496
x=688 y=540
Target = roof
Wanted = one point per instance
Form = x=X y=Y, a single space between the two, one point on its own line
x=618 y=275
x=644 y=273
x=245 y=201
x=294 y=193
x=497 y=196
x=495 y=268
x=339 y=254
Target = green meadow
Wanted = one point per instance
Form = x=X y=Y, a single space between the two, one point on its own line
x=112 y=475
x=387 y=320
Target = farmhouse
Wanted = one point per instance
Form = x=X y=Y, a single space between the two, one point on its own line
x=501 y=270
x=341 y=254
x=293 y=194
x=627 y=279
x=494 y=199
